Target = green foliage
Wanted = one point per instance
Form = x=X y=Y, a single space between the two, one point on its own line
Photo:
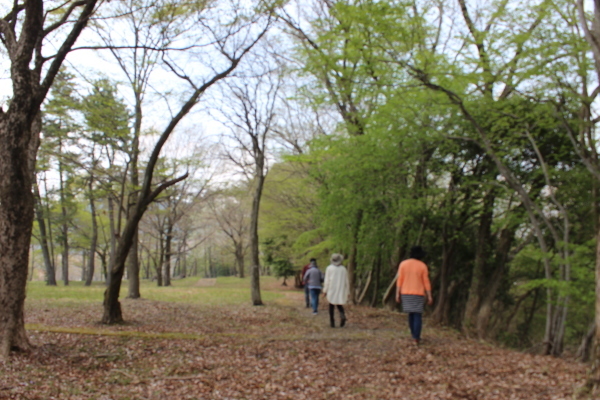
x=421 y=133
x=107 y=117
x=275 y=258
x=288 y=210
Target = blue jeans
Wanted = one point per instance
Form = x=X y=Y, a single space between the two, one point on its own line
x=314 y=298
x=307 y=295
x=415 y=324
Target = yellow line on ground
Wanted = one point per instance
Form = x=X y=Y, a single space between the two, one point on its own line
x=84 y=331
x=189 y=336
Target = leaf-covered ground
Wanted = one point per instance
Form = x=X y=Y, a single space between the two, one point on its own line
x=177 y=350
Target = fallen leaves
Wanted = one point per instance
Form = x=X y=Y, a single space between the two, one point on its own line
x=182 y=351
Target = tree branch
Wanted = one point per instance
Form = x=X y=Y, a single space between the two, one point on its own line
x=590 y=36
x=143 y=47
x=164 y=186
x=8 y=38
x=478 y=41
x=64 y=18
x=185 y=109
x=65 y=48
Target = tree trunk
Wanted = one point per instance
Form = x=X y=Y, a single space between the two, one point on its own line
x=167 y=264
x=452 y=286
x=484 y=238
x=531 y=314
x=49 y=230
x=161 y=259
x=83 y=264
x=112 y=306
x=239 y=258
x=65 y=225
x=133 y=269
x=376 y=272
x=560 y=321
x=389 y=297
x=254 y=245
x=104 y=272
x=439 y=315
x=133 y=261
x=491 y=289
x=147 y=264
x=353 y=256
x=584 y=351
x=17 y=159
x=48 y=262
x=182 y=257
x=113 y=238
x=65 y=258
x=365 y=288
x=94 y=239
x=31 y=255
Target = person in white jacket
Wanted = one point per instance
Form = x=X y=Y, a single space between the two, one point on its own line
x=336 y=288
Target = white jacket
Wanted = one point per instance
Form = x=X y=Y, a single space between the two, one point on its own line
x=336 y=284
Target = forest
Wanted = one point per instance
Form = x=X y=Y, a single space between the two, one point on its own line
x=154 y=140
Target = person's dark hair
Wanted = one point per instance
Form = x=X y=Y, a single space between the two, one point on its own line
x=313 y=259
x=417 y=252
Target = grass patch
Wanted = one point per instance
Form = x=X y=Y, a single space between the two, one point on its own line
x=226 y=291
x=75 y=292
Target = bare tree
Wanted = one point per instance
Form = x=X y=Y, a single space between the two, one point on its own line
x=43 y=239
x=179 y=203
x=150 y=27
x=230 y=213
x=232 y=36
x=251 y=116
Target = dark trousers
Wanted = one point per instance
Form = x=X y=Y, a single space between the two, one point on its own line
x=307 y=295
x=332 y=312
x=314 y=299
x=415 y=323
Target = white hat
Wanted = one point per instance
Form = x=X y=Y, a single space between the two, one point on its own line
x=336 y=259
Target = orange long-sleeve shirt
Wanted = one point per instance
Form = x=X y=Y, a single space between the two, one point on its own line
x=413 y=277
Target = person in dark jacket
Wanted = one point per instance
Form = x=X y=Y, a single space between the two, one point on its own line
x=306 y=292
x=313 y=279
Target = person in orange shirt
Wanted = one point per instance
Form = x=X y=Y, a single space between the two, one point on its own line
x=411 y=288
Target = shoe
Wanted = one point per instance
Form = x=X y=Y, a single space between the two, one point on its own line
x=343 y=322
x=315 y=313
x=417 y=341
